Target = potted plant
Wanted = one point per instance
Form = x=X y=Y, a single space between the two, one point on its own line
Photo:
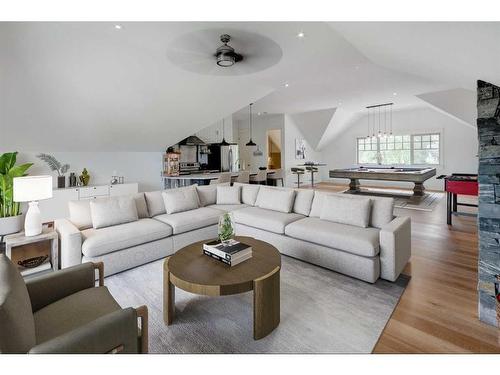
x=55 y=165
x=11 y=218
x=225 y=228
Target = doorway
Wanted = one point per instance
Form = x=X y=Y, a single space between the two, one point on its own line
x=274 y=149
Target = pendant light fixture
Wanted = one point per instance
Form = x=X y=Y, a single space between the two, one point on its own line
x=223 y=143
x=378 y=118
x=251 y=142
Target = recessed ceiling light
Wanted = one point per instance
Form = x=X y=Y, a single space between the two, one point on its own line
x=394 y=93
x=356 y=67
x=258 y=114
x=118 y=27
x=301 y=34
x=286 y=85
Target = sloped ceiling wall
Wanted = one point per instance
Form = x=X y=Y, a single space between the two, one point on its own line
x=313 y=124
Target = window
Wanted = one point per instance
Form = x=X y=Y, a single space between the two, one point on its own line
x=400 y=149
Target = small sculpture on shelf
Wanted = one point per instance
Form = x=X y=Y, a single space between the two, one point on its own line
x=84 y=177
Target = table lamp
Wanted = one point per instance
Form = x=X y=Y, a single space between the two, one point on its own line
x=32 y=189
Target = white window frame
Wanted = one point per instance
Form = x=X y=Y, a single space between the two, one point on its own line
x=412 y=149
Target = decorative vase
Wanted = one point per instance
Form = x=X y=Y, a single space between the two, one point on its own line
x=61 y=182
x=84 y=177
x=11 y=224
x=225 y=228
x=72 y=179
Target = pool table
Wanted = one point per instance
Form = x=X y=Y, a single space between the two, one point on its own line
x=415 y=175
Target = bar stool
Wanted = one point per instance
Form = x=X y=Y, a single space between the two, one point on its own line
x=224 y=177
x=312 y=170
x=298 y=172
x=277 y=175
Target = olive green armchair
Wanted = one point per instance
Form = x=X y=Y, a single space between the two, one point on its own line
x=65 y=312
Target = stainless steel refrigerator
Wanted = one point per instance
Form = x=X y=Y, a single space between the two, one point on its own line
x=224 y=158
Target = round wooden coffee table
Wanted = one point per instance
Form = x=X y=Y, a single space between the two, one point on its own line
x=194 y=272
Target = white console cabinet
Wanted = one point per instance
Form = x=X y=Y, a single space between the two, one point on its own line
x=57 y=206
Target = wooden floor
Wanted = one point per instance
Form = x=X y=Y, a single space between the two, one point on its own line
x=438 y=310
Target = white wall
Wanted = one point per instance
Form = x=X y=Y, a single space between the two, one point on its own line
x=293 y=132
x=213 y=133
x=142 y=167
x=261 y=124
x=458 y=148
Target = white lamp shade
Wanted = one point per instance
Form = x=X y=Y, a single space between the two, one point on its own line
x=32 y=188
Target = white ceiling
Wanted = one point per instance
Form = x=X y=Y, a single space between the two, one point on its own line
x=89 y=86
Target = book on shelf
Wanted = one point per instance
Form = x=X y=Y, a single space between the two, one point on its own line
x=234 y=252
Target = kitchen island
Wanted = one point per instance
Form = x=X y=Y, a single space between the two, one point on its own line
x=172 y=182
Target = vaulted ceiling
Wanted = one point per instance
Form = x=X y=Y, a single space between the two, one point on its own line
x=91 y=86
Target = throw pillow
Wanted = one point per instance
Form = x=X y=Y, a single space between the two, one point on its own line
x=180 y=200
x=345 y=210
x=303 y=202
x=249 y=193
x=228 y=194
x=142 y=207
x=113 y=211
x=276 y=199
x=207 y=194
x=79 y=214
x=154 y=201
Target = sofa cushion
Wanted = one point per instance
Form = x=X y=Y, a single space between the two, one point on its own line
x=154 y=201
x=303 y=201
x=190 y=220
x=228 y=194
x=17 y=326
x=381 y=213
x=228 y=207
x=343 y=210
x=102 y=241
x=249 y=193
x=276 y=199
x=113 y=211
x=272 y=221
x=207 y=194
x=79 y=214
x=355 y=240
x=72 y=312
x=180 y=200
x=142 y=207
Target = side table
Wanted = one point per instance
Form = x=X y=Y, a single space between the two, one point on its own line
x=19 y=239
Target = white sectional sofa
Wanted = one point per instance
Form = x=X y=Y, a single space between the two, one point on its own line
x=354 y=235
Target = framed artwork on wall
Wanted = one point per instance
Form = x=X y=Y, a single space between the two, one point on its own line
x=300 y=148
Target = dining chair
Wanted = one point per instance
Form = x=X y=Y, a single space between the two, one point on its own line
x=277 y=176
x=259 y=178
x=243 y=177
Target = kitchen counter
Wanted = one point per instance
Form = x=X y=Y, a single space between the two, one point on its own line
x=170 y=182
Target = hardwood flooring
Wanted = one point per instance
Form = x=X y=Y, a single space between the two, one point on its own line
x=438 y=310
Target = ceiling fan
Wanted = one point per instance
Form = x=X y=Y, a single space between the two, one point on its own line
x=225 y=54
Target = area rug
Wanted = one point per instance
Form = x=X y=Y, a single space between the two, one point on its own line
x=404 y=199
x=321 y=312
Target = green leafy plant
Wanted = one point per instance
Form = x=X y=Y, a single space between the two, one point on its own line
x=8 y=171
x=225 y=227
x=54 y=164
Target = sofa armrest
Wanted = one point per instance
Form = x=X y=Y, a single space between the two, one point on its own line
x=70 y=242
x=46 y=289
x=116 y=332
x=395 y=247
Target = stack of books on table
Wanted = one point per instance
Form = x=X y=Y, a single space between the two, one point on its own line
x=233 y=253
